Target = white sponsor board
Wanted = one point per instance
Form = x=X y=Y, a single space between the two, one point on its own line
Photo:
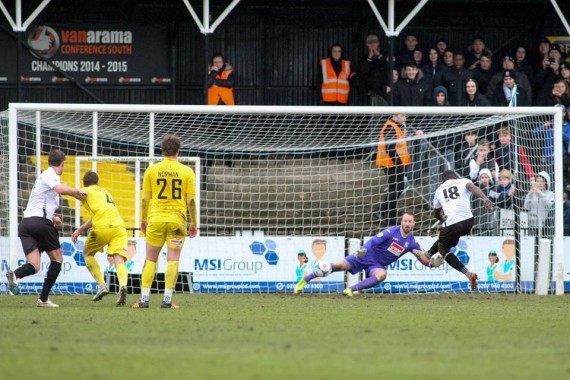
x=211 y=259
x=275 y=259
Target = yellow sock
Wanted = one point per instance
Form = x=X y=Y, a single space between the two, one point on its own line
x=171 y=275
x=122 y=274
x=148 y=272
x=94 y=268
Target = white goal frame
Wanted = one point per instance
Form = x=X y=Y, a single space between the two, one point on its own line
x=151 y=110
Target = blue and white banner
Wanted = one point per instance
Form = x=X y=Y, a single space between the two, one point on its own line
x=275 y=264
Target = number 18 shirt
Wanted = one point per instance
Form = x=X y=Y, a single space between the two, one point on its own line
x=170 y=184
x=455 y=200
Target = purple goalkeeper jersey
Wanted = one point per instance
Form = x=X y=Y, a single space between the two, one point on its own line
x=388 y=246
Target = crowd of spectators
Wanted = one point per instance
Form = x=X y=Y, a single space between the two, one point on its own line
x=475 y=77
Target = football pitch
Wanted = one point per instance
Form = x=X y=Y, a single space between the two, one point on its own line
x=283 y=336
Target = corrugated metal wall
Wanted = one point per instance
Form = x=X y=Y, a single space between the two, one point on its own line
x=275 y=51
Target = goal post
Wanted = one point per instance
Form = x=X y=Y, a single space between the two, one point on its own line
x=275 y=181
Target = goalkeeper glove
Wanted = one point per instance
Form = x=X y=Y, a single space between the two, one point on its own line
x=421 y=255
x=360 y=252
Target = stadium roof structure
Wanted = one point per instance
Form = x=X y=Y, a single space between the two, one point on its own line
x=389 y=26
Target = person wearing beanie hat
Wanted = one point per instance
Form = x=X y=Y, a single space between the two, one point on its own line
x=485 y=177
x=557 y=51
x=538 y=202
x=496 y=83
x=507 y=95
x=509 y=73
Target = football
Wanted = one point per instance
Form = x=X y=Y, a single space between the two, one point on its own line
x=324 y=268
x=436 y=260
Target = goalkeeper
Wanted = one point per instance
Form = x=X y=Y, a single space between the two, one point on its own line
x=375 y=256
x=106 y=229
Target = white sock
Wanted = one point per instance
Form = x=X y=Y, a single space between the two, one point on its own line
x=168 y=295
x=145 y=294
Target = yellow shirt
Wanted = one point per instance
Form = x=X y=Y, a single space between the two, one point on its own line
x=171 y=185
x=100 y=204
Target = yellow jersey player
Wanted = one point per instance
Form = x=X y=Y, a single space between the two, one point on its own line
x=169 y=190
x=106 y=229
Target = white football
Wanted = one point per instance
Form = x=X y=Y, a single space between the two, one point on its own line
x=324 y=268
x=436 y=260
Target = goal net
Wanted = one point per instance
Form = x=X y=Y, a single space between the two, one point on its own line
x=282 y=188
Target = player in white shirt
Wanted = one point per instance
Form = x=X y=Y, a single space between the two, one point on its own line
x=452 y=207
x=37 y=231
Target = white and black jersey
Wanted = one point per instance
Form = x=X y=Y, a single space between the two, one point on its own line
x=37 y=231
x=455 y=200
x=44 y=200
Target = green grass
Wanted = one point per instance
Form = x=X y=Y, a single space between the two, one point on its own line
x=275 y=336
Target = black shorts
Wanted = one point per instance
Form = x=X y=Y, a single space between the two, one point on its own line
x=449 y=236
x=38 y=232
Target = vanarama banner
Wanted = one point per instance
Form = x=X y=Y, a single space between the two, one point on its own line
x=100 y=54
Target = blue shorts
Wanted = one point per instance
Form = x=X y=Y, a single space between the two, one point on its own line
x=366 y=263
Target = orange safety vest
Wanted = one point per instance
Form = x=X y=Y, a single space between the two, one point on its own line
x=217 y=92
x=335 y=89
x=382 y=157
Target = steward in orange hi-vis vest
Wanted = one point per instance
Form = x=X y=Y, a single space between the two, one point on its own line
x=335 y=88
x=383 y=158
x=220 y=87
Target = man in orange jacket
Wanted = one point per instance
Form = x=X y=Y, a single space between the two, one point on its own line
x=393 y=157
